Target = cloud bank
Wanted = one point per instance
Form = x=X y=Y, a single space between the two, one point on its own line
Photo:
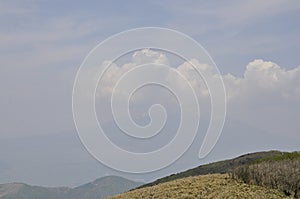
x=263 y=97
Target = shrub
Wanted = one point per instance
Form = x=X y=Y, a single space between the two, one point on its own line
x=281 y=173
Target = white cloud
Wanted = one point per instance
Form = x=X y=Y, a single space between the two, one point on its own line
x=149 y=56
x=260 y=77
x=267 y=97
x=265 y=89
x=263 y=79
x=115 y=72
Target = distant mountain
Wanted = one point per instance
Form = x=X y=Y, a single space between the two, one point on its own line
x=103 y=187
x=219 y=167
x=24 y=191
x=100 y=188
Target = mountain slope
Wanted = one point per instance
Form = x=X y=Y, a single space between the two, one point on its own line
x=102 y=187
x=215 y=186
x=218 y=167
x=24 y=191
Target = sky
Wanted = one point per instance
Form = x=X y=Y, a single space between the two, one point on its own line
x=255 y=45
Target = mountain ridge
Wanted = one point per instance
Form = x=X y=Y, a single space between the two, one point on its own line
x=99 y=188
x=238 y=177
x=222 y=166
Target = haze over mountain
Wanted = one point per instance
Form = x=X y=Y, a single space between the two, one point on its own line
x=100 y=188
x=196 y=182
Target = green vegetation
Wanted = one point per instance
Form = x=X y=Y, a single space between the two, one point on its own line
x=214 y=186
x=279 y=157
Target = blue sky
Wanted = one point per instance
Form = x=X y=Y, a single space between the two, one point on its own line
x=43 y=43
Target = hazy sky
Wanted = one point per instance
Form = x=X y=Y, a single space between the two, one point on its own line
x=255 y=44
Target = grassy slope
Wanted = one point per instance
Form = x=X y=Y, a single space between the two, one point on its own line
x=218 y=167
x=205 y=186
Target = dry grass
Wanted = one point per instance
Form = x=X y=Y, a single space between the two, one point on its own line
x=207 y=186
